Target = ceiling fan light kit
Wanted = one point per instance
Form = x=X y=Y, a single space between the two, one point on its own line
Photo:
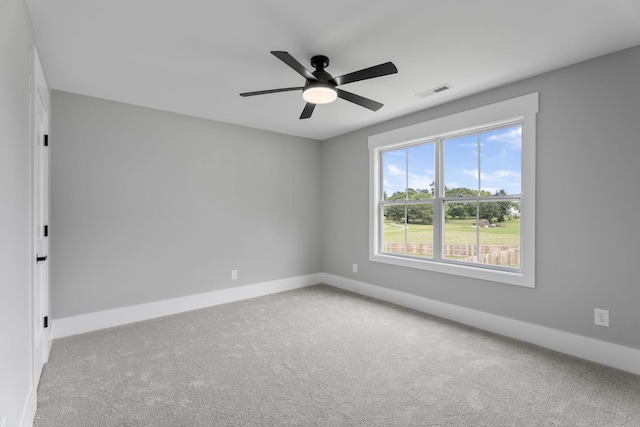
x=321 y=87
x=320 y=93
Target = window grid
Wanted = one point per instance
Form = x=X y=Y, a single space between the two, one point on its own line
x=439 y=203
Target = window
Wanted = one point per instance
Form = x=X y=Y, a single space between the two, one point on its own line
x=457 y=194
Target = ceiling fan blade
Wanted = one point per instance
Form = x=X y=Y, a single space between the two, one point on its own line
x=264 y=92
x=308 y=110
x=360 y=100
x=367 y=73
x=293 y=63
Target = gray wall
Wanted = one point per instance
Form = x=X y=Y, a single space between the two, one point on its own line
x=16 y=39
x=587 y=234
x=149 y=205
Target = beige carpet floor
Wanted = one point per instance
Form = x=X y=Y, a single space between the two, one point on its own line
x=320 y=356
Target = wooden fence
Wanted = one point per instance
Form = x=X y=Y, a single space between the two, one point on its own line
x=489 y=254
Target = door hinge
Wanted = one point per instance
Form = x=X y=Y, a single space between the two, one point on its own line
x=46 y=231
x=46 y=140
x=46 y=321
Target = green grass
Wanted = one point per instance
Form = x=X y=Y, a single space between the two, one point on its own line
x=456 y=231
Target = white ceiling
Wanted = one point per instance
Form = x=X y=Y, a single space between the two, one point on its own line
x=195 y=56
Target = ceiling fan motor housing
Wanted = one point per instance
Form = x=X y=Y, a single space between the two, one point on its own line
x=319 y=62
x=322 y=91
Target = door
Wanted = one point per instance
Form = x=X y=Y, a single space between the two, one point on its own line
x=40 y=220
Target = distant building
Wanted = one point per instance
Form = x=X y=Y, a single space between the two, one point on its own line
x=484 y=223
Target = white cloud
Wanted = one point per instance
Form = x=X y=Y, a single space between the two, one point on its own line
x=421 y=181
x=474 y=173
x=394 y=170
x=511 y=136
x=395 y=179
x=504 y=179
x=468 y=145
x=507 y=180
x=504 y=173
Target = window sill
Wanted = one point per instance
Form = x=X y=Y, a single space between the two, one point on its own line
x=525 y=279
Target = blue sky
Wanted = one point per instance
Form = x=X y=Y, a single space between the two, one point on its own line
x=499 y=168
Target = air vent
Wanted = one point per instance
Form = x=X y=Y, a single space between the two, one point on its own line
x=434 y=90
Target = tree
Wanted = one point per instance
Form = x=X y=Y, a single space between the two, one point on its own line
x=460 y=210
x=495 y=210
x=398 y=195
x=457 y=210
x=394 y=213
x=419 y=194
x=460 y=192
x=422 y=213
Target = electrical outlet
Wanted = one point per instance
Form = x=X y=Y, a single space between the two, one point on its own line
x=234 y=274
x=355 y=268
x=601 y=317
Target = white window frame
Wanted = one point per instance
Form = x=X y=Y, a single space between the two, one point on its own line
x=523 y=108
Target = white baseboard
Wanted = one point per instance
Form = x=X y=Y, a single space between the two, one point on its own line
x=119 y=316
x=29 y=409
x=605 y=353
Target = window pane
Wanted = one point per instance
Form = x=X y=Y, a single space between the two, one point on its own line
x=500 y=165
x=421 y=171
x=461 y=166
x=460 y=232
x=500 y=234
x=394 y=229
x=420 y=230
x=394 y=174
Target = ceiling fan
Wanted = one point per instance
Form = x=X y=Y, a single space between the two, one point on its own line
x=320 y=87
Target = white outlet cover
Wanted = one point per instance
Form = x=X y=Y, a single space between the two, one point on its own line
x=355 y=268
x=601 y=317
